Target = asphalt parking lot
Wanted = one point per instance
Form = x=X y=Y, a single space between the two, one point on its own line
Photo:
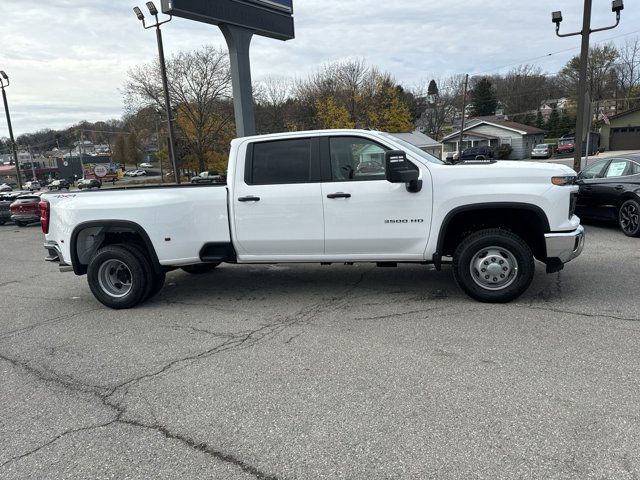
x=282 y=372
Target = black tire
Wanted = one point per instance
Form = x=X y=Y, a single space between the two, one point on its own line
x=510 y=253
x=200 y=268
x=136 y=276
x=2 y=222
x=20 y=224
x=156 y=280
x=629 y=218
x=146 y=265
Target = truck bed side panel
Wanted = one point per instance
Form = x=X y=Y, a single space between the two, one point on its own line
x=178 y=221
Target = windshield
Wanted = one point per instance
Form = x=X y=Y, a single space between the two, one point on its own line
x=542 y=145
x=413 y=149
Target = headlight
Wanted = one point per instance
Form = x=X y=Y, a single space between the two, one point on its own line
x=561 y=181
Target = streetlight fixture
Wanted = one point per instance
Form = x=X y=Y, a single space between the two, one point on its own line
x=163 y=71
x=4 y=82
x=581 y=124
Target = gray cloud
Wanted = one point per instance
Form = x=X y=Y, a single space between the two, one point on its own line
x=68 y=60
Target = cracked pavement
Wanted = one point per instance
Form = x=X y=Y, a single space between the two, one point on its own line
x=283 y=372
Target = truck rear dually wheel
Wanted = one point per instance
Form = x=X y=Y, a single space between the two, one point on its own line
x=117 y=277
x=494 y=266
x=155 y=280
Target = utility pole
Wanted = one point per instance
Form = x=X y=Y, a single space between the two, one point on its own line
x=464 y=110
x=4 y=82
x=616 y=6
x=165 y=82
x=33 y=170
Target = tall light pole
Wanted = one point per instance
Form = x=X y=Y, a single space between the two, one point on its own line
x=581 y=123
x=4 y=82
x=165 y=83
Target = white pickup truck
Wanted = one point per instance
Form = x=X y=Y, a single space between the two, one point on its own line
x=335 y=196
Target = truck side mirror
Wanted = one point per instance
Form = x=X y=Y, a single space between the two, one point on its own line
x=398 y=170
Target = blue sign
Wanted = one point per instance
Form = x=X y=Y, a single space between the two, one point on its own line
x=285 y=5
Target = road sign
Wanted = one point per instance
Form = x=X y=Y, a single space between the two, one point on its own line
x=100 y=171
x=269 y=18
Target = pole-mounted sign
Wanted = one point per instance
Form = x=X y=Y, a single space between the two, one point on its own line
x=239 y=20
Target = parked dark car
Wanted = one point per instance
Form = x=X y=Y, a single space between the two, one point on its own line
x=25 y=210
x=474 y=152
x=6 y=199
x=208 y=178
x=610 y=190
x=89 y=183
x=59 y=185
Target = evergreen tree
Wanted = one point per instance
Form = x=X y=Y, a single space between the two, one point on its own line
x=553 y=124
x=566 y=124
x=484 y=100
x=539 y=120
x=433 y=88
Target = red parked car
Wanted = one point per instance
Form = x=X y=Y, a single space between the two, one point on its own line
x=25 y=210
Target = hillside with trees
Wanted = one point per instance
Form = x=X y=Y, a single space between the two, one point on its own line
x=344 y=94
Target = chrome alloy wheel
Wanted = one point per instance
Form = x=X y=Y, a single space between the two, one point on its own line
x=114 y=278
x=629 y=217
x=494 y=268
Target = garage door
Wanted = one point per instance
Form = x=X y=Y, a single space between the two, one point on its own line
x=627 y=138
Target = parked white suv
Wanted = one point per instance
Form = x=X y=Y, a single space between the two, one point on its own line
x=325 y=196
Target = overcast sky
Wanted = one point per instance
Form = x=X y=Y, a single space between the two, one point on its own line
x=68 y=59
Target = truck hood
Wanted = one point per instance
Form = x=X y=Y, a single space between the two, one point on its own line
x=542 y=167
x=505 y=173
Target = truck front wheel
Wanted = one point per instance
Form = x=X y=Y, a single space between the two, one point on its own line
x=494 y=266
x=117 y=277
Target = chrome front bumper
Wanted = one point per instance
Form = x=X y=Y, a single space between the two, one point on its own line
x=564 y=247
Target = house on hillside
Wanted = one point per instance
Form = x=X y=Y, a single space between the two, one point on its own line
x=623 y=131
x=547 y=106
x=422 y=141
x=496 y=131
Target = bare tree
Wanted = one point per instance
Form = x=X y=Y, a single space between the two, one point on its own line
x=602 y=61
x=273 y=99
x=440 y=108
x=628 y=70
x=199 y=86
x=522 y=89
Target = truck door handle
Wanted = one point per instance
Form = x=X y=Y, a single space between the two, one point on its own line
x=250 y=198
x=339 y=195
x=619 y=187
x=588 y=188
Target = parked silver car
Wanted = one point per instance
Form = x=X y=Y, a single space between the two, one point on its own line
x=542 y=150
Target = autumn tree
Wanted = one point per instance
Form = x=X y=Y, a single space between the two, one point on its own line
x=200 y=90
x=484 y=101
x=119 y=153
x=133 y=152
x=353 y=94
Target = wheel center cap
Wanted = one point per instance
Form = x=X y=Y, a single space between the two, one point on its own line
x=494 y=269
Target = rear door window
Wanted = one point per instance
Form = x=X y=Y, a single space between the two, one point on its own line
x=617 y=168
x=279 y=162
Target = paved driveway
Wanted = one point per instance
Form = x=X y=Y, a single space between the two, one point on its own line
x=321 y=372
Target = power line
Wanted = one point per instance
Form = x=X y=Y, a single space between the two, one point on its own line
x=553 y=53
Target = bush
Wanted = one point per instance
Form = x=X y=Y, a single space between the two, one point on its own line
x=504 y=151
